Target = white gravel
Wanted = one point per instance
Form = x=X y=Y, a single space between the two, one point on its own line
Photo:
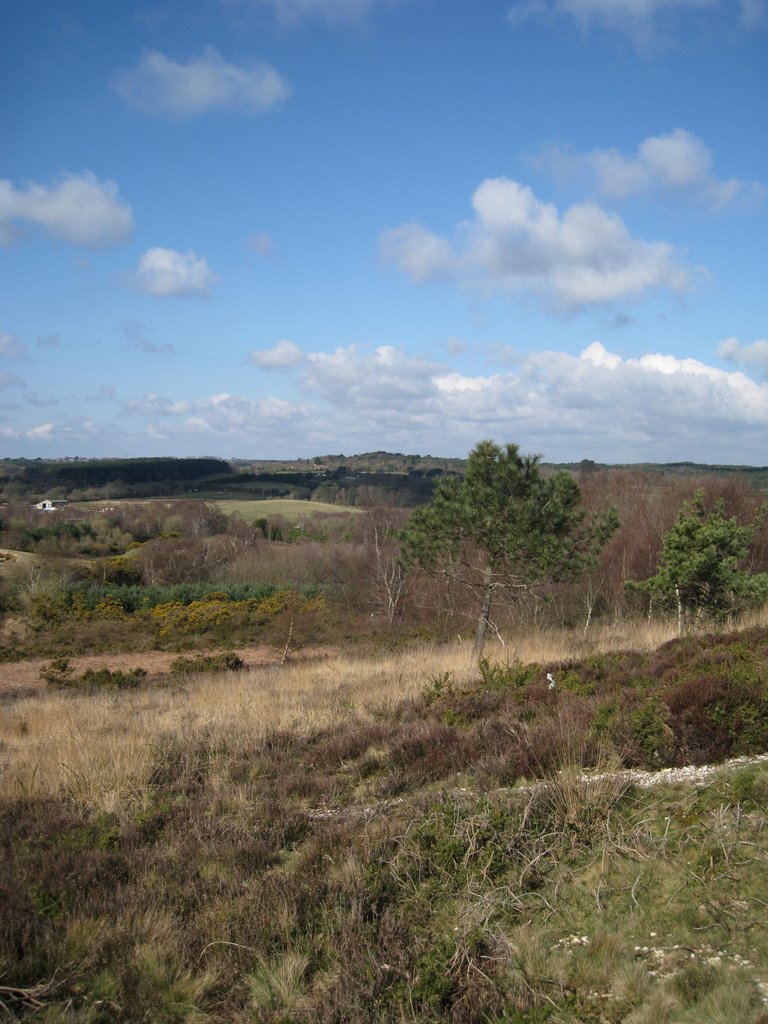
x=690 y=774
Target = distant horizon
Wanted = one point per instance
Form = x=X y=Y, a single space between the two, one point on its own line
x=376 y=451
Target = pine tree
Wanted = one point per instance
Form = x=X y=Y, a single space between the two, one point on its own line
x=699 y=571
x=504 y=528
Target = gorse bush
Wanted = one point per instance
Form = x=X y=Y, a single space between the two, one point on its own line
x=85 y=616
x=87 y=597
x=509 y=674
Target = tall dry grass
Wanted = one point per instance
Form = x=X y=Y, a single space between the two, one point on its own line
x=99 y=749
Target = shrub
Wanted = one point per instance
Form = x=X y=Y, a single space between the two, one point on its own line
x=439 y=685
x=511 y=674
x=59 y=674
x=638 y=728
x=226 y=661
x=716 y=716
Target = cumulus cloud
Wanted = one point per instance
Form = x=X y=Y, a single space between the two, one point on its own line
x=754 y=356
x=232 y=421
x=78 y=208
x=164 y=87
x=166 y=272
x=354 y=377
x=282 y=355
x=517 y=243
x=595 y=404
x=154 y=404
x=677 y=162
x=11 y=347
x=422 y=255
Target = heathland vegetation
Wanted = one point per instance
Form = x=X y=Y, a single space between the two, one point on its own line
x=377 y=824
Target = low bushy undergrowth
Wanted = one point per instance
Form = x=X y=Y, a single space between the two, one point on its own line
x=226 y=661
x=86 y=618
x=60 y=674
x=446 y=858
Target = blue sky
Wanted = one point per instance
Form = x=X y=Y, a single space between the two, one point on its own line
x=284 y=228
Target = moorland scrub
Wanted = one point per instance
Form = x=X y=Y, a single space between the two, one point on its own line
x=392 y=830
x=402 y=838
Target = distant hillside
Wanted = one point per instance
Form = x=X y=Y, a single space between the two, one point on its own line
x=757 y=475
x=24 y=477
x=363 y=479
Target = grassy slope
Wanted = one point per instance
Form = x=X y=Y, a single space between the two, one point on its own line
x=383 y=863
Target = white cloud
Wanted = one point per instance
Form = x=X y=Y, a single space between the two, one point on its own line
x=153 y=404
x=198 y=424
x=166 y=272
x=164 y=87
x=11 y=347
x=677 y=162
x=78 y=208
x=422 y=255
x=517 y=243
x=598 y=355
x=283 y=354
x=641 y=20
x=598 y=405
x=755 y=356
x=42 y=431
x=386 y=382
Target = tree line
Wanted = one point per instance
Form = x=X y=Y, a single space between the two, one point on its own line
x=511 y=542
x=507 y=528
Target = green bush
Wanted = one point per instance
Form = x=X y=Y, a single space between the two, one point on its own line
x=134 y=597
x=513 y=674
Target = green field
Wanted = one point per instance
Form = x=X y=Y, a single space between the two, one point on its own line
x=287 y=508
x=248 y=509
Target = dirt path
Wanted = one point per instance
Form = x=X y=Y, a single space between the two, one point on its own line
x=23 y=677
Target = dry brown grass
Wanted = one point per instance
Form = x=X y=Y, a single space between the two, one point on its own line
x=289 y=843
x=99 y=749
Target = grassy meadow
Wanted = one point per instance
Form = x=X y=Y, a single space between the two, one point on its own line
x=288 y=509
x=395 y=837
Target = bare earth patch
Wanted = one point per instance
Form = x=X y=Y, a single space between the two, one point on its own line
x=19 y=677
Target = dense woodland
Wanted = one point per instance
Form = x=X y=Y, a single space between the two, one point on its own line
x=369 y=479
